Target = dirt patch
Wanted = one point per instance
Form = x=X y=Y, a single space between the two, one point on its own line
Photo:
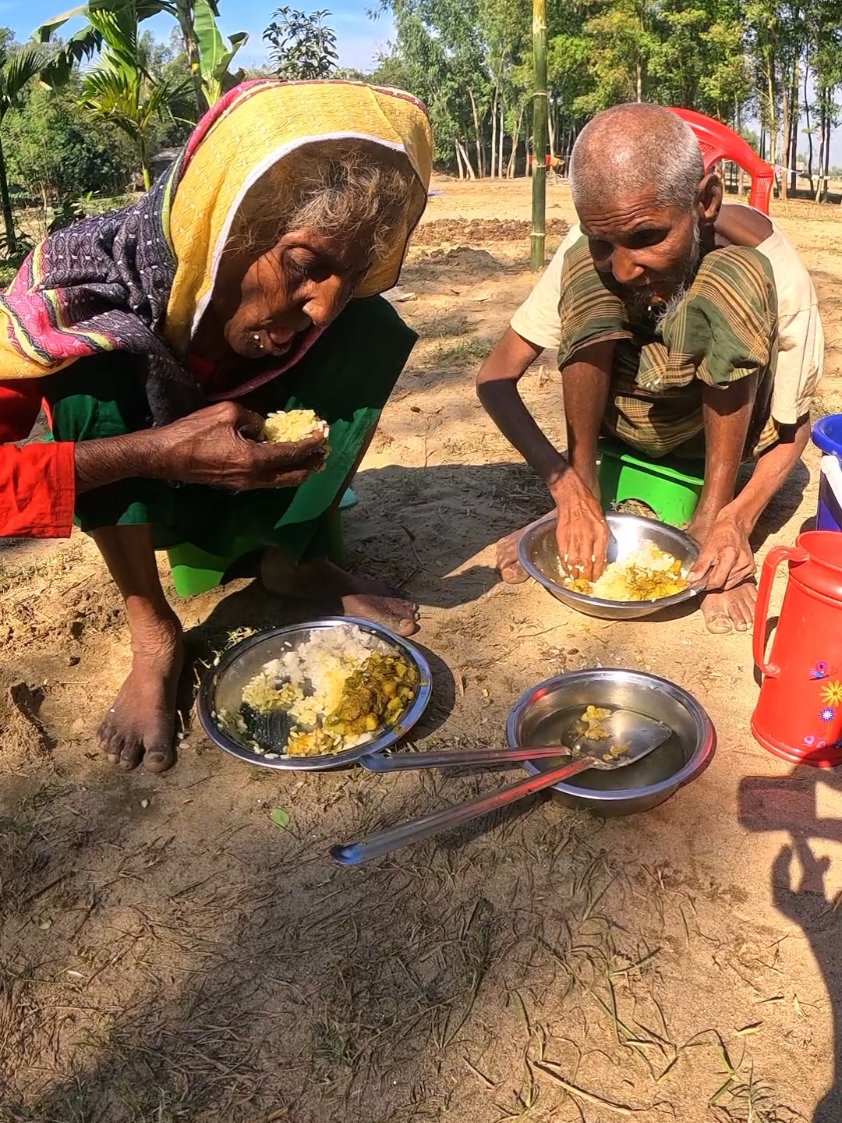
x=169 y=955
x=477 y=231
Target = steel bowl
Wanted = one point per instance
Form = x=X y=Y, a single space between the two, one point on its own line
x=222 y=689
x=538 y=555
x=543 y=712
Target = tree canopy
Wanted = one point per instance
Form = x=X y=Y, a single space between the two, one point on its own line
x=777 y=63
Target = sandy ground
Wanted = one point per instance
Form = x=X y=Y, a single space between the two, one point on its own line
x=168 y=954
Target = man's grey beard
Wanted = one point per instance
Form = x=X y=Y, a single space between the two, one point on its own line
x=642 y=303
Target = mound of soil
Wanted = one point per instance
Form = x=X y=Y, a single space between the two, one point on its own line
x=449 y=230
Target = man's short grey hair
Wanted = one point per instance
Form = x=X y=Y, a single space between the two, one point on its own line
x=635 y=149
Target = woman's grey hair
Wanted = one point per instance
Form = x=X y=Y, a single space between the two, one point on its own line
x=353 y=190
x=635 y=149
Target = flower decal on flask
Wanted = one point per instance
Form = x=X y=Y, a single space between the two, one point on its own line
x=832 y=693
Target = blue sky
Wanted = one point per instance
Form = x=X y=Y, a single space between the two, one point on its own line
x=359 y=38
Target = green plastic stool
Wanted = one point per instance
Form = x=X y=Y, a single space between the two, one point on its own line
x=196 y=571
x=671 y=487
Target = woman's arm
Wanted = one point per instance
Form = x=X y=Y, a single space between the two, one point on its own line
x=218 y=446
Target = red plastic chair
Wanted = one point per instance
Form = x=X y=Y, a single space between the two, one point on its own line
x=718 y=142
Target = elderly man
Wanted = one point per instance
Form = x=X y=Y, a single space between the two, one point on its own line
x=684 y=327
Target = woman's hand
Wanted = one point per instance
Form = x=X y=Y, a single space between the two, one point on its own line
x=221 y=446
x=218 y=446
x=582 y=533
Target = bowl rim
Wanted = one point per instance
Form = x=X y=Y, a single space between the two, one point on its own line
x=207 y=690
x=700 y=758
x=635 y=606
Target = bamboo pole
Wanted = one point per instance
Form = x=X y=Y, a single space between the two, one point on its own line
x=539 y=135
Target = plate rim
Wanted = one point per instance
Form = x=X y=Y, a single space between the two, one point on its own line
x=386 y=740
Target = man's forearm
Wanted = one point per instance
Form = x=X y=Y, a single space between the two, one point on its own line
x=727 y=415
x=504 y=405
x=771 y=472
x=586 y=383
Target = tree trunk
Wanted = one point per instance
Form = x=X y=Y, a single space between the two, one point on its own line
x=794 y=122
x=501 y=134
x=639 y=81
x=8 y=217
x=823 y=140
x=828 y=133
x=785 y=139
x=493 y=169
x=467 y=160
x=809 y=129
x=773 y=115
x=477 y=136
x=460 y=173
x=512 y=170
x=740 y=172
x=539 y=135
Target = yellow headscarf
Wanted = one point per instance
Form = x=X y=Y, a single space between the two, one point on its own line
x=258 y=130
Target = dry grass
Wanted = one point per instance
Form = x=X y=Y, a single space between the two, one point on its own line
x=170 y=956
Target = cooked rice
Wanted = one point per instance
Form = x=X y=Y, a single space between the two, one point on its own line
x=293 y=426
x=621 y=579
x=308 y=681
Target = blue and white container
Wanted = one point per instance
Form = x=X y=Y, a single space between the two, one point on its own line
x=827 y=435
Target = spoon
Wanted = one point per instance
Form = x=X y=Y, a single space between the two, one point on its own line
x=623 y=727
x=416 y=830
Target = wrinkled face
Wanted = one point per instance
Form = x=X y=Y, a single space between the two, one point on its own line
x=304 y=281
x=651 y=251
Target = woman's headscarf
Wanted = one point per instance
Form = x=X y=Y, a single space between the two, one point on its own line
x=139 y=280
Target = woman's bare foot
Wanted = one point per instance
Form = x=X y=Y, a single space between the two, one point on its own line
x=324 y=581
x=141 y=723
x=732 y=609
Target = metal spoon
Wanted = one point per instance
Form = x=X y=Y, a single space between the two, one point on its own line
x=393 y=838
x=624 y=727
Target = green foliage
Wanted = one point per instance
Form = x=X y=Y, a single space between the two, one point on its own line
x=54 y=151
x=471 y=61
x=215 y=57
x=121 y=90
x=206 y=56
x=17 y=69
x=301 y=45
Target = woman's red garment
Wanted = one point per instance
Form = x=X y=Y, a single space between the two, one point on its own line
x=38 y=481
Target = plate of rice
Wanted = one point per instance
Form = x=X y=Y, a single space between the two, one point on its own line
x=646 y=571
x=314 y=696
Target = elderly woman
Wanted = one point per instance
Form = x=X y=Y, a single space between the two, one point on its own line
x=158 y=338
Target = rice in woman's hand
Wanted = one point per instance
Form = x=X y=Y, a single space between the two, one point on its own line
x=294 y=426
x=340 y=688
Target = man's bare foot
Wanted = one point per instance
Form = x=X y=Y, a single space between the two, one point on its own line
x=141 y=723
x=731 y=609
x=324 y=581
x=508 y=565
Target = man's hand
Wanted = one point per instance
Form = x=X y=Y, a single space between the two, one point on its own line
x=217 y=446
x=726 y=558
x=582 y=533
